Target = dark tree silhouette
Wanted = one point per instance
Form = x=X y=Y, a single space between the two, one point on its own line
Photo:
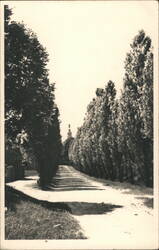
x=30 y=107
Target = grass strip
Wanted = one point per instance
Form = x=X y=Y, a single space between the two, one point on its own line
x=27 y=220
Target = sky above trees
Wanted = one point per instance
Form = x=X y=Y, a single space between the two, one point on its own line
x=87 y=44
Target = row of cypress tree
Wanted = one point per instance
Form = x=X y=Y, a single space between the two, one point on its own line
x=31 y=114
x=116 y=139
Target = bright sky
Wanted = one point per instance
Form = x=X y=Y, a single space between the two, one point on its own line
x=87 y=43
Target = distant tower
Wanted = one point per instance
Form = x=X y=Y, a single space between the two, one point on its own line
x=69 y=134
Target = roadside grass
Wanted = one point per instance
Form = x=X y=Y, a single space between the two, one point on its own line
x=27 y=220
x=124 y=186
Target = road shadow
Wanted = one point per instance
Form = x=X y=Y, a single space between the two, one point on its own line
x=65 y=181
x=64 y=184
x=83 y=208
x=148 y=202
x=75 y=208
x=55 y=188
x=28 y=179
x=68 y=183
x=72 y=188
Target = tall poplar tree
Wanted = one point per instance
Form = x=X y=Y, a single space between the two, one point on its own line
x=137 y=110
x=116 y=139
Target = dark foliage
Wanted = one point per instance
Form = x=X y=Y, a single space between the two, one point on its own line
x=31 y=115
x=65 y=150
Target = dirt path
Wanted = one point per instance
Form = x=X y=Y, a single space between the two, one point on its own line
x=111 y=217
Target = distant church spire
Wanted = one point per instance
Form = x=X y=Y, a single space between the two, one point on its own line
x=69 y=134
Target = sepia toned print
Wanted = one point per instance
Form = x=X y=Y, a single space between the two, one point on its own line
x=80 y=135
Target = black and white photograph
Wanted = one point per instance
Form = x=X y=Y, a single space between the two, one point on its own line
x=79 y=125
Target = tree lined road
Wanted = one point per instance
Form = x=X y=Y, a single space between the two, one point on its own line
x=114 y=142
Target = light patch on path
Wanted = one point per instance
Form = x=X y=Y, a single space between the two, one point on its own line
x=130 y=226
